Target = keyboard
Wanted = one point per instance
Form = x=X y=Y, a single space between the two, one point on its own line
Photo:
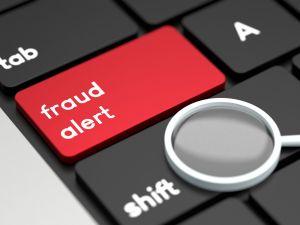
x=87 y=89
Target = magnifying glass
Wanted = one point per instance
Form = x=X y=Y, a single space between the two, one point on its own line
x=223 y=144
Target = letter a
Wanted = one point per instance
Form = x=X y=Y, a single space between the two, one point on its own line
x=244 y=30
x=68 y=133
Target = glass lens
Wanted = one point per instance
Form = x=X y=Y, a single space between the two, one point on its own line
x=223 y=142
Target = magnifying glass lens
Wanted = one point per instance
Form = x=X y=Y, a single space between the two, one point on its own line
x=223 y=142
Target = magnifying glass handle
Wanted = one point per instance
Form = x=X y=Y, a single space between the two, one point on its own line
x=290 y=141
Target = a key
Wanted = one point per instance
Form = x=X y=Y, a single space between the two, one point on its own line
x=30 y=191
x=47 y=35
x=156 y=12
x=245 y=36
x=130 y=166
x=279 y=195
x=135 y=183
x=274 y=91
x=115 y=94
x=8 y=4
x=230 y=211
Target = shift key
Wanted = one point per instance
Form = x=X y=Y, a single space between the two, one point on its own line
x=135 y=184
x=115 y=94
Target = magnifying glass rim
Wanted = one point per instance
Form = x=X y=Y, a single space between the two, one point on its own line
x=216 y=183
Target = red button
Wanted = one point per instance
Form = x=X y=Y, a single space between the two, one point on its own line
x=115 y=94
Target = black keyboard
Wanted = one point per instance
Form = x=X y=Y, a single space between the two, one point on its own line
x=93 y=84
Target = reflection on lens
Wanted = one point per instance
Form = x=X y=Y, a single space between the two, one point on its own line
x=223 y=142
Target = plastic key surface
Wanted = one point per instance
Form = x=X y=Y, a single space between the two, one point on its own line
x=102 y=100
x=279 y=195
x=31 y=193
x=45 y=36
x=245 y=36
x=138 y=170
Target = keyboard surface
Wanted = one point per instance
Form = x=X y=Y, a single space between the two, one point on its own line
x=93 y=84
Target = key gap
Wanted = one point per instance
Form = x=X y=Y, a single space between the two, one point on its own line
x=289 y=8
x=260 y=212
x=174 y=20
x=295 y=155
x=198 y=209
x=13 y=7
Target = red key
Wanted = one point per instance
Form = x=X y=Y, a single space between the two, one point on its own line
x=120 y=92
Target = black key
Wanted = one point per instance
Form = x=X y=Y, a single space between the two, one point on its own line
x=230 y=211
x=245 y=36
x=121 y=177
x=46 y=35
x=275 y=91
x=279 y=196
x=8 y=4
x=156 y=12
